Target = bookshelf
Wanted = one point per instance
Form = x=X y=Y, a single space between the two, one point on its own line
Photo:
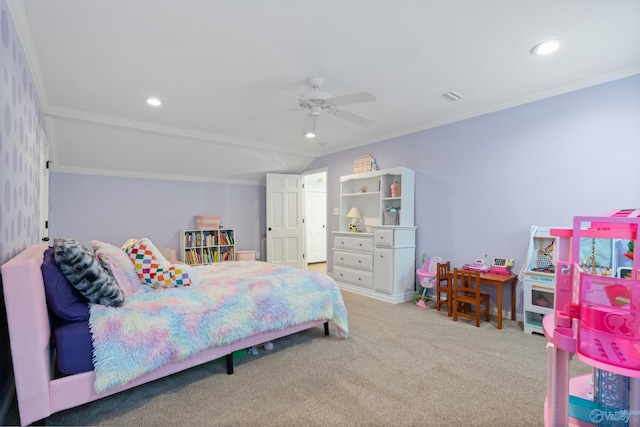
x=207 y=246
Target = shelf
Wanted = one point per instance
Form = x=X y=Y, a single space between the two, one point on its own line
x=207 y=246
x=367 y=193
x=377 y=197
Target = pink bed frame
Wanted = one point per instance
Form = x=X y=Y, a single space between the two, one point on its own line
x=39 y=394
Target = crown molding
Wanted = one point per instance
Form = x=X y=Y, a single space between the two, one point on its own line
x=515 y=102
x=146 y=175
x=69 y=114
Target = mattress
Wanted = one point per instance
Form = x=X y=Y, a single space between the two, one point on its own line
x=74 y=350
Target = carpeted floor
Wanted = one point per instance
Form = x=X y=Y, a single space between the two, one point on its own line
x=400 y=366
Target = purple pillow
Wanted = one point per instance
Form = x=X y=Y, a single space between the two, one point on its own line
x=62 y=298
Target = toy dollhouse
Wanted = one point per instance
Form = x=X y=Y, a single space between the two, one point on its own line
x=596 y=318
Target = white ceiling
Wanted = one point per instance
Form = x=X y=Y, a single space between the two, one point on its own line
x=220 y=68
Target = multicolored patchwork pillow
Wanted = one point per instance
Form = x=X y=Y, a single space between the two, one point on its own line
x=172 y=277
x=153 y=269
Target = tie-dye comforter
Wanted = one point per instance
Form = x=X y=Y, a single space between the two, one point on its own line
x=233 y=301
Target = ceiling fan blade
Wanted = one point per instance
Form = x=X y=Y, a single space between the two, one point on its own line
x=354 y=98
x=362 y=121
x=299 y=98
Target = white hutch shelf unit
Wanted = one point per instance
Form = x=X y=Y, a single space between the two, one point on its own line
x=370 y=192
x=377 y=261
x=207 y=246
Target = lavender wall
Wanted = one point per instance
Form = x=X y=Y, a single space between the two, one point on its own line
x=481 y=183
x=114 y=209
x=20 y=130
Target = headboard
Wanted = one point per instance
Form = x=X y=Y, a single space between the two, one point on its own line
x=29 y=332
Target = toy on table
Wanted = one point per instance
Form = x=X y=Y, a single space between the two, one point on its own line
x=501 y=266
x=478 y=265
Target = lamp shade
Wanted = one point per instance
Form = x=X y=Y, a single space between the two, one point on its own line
x=354 y=213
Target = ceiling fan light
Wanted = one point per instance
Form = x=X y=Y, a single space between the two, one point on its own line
x=310 y=126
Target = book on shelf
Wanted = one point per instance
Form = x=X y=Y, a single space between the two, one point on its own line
x=226 y=238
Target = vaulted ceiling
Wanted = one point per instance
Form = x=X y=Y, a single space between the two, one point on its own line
x=230 y=74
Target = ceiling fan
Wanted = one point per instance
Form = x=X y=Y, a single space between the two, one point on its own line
x=317 y=102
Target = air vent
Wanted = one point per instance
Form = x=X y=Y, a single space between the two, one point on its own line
x=452 y=96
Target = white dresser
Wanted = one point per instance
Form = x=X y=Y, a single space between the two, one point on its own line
x=353 y=259
x=380 y=265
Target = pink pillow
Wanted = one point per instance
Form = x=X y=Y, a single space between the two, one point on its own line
x=121 y=266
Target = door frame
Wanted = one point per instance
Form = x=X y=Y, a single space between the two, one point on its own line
x=304 y=228
x=324 y=172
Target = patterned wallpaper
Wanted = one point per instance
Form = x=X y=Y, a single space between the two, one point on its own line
x=21 y=124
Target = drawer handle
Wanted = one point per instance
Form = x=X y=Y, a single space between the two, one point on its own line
x=341 y=259
x=360 y=279
x=359 y=261
x=359 y=244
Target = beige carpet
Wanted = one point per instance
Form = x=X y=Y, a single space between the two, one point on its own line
x=401 y=366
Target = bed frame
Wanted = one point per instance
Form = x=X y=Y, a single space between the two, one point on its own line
x=39 y=393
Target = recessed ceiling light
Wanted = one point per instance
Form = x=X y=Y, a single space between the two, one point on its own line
x=545 y=48
x=154 y=101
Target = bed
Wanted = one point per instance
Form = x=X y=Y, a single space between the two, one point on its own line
x=154 y=333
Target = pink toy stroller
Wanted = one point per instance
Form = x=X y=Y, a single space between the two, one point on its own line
x=427 y=275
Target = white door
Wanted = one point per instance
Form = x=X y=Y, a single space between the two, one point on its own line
x=285 y=216
x=315 y=196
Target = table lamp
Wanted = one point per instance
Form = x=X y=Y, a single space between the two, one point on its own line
x=355 y=216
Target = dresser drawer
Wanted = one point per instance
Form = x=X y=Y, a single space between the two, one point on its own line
x=361 y=278
x=353 y=259
x=361 y=244
x=383 y=237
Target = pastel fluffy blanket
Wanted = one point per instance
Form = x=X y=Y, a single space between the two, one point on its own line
x=233 y=301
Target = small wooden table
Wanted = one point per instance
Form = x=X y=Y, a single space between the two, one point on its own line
x=498 y=280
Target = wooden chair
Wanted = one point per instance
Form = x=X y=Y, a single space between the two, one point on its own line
x=443 y=286
x=466 y=290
